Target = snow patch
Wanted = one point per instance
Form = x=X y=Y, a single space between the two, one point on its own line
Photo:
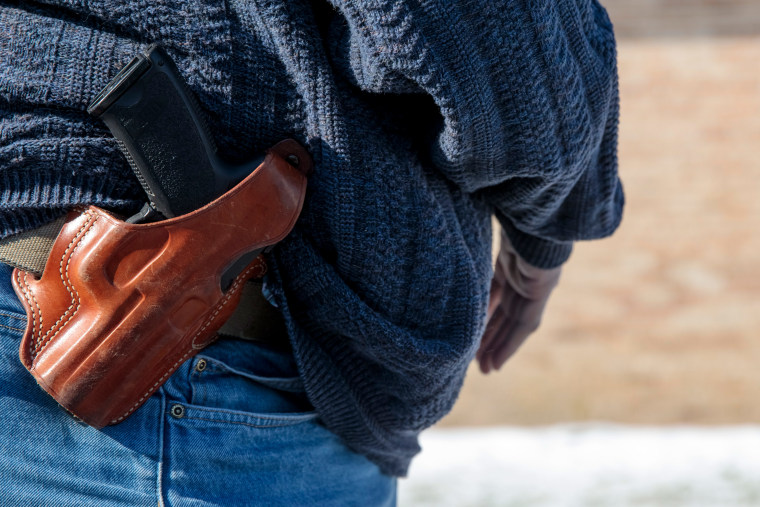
x=595 y=465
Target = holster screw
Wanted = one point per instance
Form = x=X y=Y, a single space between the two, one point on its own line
x=293 y=160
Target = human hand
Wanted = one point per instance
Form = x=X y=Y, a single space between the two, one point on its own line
x=519 y=293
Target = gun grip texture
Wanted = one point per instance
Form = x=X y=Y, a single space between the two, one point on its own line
x=162 y=131
x=120 y=306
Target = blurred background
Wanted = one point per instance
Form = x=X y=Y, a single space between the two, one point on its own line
x=642 y=386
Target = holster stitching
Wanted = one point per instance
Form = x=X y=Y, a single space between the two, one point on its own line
x=81 y=233
x=238 y=281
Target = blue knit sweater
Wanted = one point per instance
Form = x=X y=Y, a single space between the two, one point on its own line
x=424 y=118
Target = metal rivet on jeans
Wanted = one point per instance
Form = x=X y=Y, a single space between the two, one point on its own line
x=200 y=365
x=178 y=411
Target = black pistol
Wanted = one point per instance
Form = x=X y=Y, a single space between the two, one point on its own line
x=162 y=131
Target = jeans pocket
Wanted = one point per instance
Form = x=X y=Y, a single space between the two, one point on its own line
x=270 y=396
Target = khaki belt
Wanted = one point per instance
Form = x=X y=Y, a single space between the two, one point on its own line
x=255 y=319
x=29 y=250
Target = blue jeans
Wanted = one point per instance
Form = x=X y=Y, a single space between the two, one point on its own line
x=231 y=427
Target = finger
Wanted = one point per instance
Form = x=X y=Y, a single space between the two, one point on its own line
x=484 y=364
x=483 y=353
x=523 y=321
x=495 y=322
x=499 y=330
x=495 y=301
x=506 y=350
x=495 y=297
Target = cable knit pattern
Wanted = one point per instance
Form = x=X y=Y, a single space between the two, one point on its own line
x=424 y=118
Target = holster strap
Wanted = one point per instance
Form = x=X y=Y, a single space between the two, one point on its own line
x=29 y=250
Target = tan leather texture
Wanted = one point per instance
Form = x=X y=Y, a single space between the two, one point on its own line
x=119 y=307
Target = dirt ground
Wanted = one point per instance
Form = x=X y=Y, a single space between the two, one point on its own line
x=660 y=323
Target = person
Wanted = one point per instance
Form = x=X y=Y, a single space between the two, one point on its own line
x=424 y=119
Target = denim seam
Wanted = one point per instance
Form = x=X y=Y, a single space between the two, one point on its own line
x=10 y=327
x=197 y=387
x=160 y=461
x=250 y=414
x=289 y=423
x=292 y=385
x=12 y=316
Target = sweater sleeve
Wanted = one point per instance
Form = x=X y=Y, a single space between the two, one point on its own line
x=528 y=101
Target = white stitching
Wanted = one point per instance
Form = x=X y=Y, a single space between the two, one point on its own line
x=241 y=278
x=42 y=341
x=34 y=342
x=29 y=295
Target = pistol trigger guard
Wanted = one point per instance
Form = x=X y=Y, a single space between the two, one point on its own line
x=148 y=213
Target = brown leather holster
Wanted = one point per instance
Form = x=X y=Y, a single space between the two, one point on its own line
x=120 y=306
